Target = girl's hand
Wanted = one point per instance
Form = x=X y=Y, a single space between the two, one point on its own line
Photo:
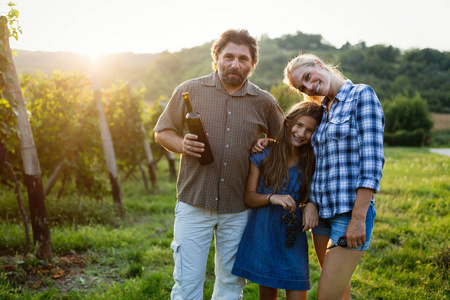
x=310 y=216
x=260 y=145
x=284 y=200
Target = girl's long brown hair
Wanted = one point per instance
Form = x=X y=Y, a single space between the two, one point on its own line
x=274 y=168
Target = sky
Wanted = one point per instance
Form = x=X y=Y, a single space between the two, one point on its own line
x=152 y=26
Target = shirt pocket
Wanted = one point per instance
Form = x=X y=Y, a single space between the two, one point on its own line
x=247 y=134
x=338 y=128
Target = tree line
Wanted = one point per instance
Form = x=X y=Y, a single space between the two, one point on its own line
x=389 y=70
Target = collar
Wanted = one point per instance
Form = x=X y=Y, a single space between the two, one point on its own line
x=342 y=95
x=344 y=91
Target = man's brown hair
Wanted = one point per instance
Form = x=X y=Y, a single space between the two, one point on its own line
x=238 y=37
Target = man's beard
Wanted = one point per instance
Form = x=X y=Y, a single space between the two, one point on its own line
x=231 y=80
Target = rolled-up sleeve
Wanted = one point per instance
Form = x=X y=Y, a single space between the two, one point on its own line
x=370 y=122
x=173 y=115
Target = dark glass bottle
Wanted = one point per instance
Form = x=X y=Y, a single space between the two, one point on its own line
x=195 y=126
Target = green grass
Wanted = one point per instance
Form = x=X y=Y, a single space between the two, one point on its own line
x=410 y=245
x=103 y=257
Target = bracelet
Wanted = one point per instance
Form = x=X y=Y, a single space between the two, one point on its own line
x=268 y=199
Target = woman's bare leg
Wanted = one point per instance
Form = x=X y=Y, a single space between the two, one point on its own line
x=337 y=270
x=320 y=243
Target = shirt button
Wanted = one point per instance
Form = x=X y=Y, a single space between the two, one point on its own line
x=222 y=179
x=225 y=163
x=228 y=146
x=229 y=112
x=228 y=129
x=216 y=199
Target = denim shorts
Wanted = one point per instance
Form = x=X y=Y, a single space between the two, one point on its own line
x=336 y=226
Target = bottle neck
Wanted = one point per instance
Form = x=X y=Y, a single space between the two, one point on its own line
x=188 y=103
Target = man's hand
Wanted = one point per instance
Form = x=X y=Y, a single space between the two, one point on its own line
x=191 y=146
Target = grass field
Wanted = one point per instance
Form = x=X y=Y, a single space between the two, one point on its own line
x=101 y=257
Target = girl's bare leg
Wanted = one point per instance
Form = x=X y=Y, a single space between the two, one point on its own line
x=295 y=295
x=320 y=243
x=267 y=293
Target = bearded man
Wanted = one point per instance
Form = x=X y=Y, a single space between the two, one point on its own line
x=210 y=198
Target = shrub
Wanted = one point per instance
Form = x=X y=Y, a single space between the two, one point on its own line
x=406 y=113
x=415 y=138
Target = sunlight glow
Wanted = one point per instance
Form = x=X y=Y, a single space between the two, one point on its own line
x=112 y=26
x=94 y=55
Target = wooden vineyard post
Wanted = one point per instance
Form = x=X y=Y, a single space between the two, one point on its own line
x=32 y=170
x=108 y=147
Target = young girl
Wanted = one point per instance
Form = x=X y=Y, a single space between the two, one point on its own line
x=273 y=251
x=348 y=145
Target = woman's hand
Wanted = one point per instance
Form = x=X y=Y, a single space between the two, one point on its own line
x=356 y=228
x=356 y=232
x=310 y=216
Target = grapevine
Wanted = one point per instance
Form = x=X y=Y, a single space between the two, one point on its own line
x=292 y=222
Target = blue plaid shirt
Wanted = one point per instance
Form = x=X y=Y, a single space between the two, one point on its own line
x=348 y=149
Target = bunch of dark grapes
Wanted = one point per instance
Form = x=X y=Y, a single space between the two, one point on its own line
x=292 y=222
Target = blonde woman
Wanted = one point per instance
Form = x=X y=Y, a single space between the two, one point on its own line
x=348 y=146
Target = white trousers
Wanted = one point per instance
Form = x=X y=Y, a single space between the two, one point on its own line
x=193 y=231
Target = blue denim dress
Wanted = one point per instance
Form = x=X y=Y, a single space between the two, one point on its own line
x=263 y=256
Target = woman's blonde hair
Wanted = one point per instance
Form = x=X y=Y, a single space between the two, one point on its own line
x=309 y=60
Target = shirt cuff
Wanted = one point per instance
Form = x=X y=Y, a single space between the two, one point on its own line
x=368 y=183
